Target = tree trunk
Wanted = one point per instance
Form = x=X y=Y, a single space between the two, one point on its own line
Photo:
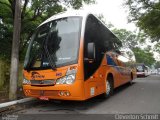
x=15 y=51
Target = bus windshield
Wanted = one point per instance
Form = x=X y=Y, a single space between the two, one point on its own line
x=54 y=44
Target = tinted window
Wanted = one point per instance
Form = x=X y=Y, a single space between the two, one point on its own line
x=104 y=41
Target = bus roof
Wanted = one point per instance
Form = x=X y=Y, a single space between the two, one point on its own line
x=66 y=14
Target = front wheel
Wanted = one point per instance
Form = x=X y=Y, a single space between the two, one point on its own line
x=131 y=81
x=109 y=89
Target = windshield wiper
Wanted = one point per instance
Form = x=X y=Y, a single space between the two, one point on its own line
x=50 y=60
x=31 y=62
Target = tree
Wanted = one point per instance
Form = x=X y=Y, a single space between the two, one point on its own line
x=5 y=41
x=134 y=42
x=144 y=56
x=146 y=14
x=32 y=14
x=130 y=39
x=157 y=64
x=101 y=17
x=109 y=24
x=15 y=52
x=157 y=47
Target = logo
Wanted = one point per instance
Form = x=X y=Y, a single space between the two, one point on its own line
x=58 y=74
x=41 y=82
x=9 y=117
x=36 y=75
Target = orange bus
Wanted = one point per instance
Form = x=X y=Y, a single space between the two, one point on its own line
x=74 y=56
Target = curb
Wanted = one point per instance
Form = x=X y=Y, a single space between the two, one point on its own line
x=7 y=104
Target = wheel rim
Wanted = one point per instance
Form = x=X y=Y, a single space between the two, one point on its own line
x=108 y=86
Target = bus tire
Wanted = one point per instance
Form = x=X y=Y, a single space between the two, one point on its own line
x=109 y=88
x=131 y=81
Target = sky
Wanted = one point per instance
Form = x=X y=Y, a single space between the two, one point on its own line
x=113 y=12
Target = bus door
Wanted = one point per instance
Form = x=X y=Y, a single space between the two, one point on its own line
x=94 y=78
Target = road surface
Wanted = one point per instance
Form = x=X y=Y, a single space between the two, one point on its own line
x=143 y=97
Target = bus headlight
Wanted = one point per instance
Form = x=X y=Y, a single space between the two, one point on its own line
x=69 y=79
x=61 y=80
x=26 y=82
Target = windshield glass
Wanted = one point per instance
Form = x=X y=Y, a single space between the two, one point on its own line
x=139 y=68
x=54 y=44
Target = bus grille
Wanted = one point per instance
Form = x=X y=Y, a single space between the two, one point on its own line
x=42 y=82
x=44 y=92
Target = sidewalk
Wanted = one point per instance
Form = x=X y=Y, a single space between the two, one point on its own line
x=4 y=96
x=10 y=103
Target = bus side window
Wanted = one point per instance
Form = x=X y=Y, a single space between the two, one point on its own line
x=104 y=40
x=92 y=35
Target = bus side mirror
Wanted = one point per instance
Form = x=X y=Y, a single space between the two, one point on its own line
x=91 y=51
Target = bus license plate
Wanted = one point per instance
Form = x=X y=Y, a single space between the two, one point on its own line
x=43 y=98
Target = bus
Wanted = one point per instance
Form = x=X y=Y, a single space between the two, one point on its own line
x=142 y=70
x=74 y=56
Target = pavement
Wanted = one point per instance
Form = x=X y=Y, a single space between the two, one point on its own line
x=141 y=98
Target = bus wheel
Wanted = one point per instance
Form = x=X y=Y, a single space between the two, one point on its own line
x=109 y=89
x=131 y=81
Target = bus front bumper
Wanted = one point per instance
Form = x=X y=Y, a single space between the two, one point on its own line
x=59 y=92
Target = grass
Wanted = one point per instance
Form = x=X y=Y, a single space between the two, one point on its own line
x=4 y=81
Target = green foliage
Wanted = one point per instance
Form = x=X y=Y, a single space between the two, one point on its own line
x=5 y=41
x=133 y=41
x=101 y=17
x=128 y=38
x=147 y=15
x=33 y=12
x=157 y=64
x=76 y=4
x=157 y=47
x=143 y=56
